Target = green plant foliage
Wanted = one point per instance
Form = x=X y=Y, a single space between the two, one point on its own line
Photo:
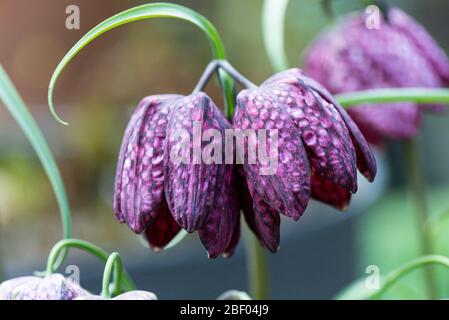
x=16 y=106
x=149 y=11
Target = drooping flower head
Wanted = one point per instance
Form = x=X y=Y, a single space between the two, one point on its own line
x=162 y=183
x=399 y=53
x=52 y=287
x=318 y=146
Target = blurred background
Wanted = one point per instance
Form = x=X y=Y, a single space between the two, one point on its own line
x=320 y=254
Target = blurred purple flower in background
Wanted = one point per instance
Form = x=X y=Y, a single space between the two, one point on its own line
x=351 y=57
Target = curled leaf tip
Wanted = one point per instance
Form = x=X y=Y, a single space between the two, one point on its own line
x=52 y=108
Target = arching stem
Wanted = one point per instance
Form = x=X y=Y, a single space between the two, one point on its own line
x=114 y=263
x=400 y=272
x=126 y=282
x=143 y=12
x=216 y=66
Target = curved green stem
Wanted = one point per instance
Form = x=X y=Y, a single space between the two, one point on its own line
x=273 y=16
x=257 y=267
x=18 y=109
x=418 y=95
x=103 y=255
x=217 y=65
x=114 y=263
x=400 y=272
x=149 y=11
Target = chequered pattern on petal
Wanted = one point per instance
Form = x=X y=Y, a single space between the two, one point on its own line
x=323 y=132
x=265 y=223
x=327 y=140
x=260 y=218
x=162 y=229
x=218 y=229
x=366 y=162
x=52 y=287
x=287 y=191
x=191 y=188
x=232 y=245
x=400 y=53
x=139 y=182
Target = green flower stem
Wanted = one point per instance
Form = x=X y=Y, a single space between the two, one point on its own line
x=114 y=262
x=418 y=95
x=126 y=282
x=150 y=11
x=418 y=192
x=216 y=66
x=257 y=267
x=16 y=106
x=400 y=272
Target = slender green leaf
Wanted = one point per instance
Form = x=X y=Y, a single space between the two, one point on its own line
x=15 y=105
x=149 y=11
x=273 y=16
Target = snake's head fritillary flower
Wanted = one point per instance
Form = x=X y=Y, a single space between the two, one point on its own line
x=171 y=175
x=52 y=287
x=139 y=182
x=319 y=149
x=400 y=53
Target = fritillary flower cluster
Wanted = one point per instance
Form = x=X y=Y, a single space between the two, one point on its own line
x=319 y=150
